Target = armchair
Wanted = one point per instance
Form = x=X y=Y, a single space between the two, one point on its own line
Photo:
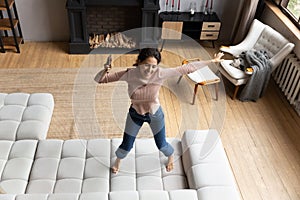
x=259 y=37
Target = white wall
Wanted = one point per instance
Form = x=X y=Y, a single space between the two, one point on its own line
x=184 y=5
x=43 y=20
x=269 y=17
x=47 y=20
x=226 y=10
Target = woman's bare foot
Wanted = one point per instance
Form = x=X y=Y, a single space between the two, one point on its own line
x=115 y=169
x=2 y=191
x=170 y=165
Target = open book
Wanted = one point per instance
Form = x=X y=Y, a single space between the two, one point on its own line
x=204 y=76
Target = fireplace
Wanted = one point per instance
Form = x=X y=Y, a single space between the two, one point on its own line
x=102 y=18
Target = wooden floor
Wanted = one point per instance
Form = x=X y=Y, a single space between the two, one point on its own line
x=262 y=139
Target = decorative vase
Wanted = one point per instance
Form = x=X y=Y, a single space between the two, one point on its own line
x=192 y=8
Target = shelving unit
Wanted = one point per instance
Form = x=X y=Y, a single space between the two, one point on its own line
x=10 y=26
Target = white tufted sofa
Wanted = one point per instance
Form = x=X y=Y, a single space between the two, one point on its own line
x=79 y=169
x=25 y=116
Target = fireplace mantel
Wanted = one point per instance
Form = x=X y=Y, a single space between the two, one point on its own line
x=79 y=37
x=113 y=2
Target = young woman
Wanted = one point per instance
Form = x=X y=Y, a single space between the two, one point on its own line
x=144 y=82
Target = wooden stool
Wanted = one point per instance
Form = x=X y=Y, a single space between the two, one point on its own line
x=203 y=76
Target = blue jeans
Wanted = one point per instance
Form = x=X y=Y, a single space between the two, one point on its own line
x=134 y=122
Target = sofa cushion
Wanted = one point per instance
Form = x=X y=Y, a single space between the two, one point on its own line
x=210 y=174
x=40 y=186
x=5 y=147
x=25 y=116
x=8 y=196
x=191 y=157
x=70 y=185
x=94 y=196
x=218 y=192
x=32 y=197
x=232 y=71
x=66 y=196
x=153 y=194
x=174 y=182
x=95 y=185
x=8 y=129
x=14 y=186
x=16 y=163
x=50 y=148
x=124 y=195
x=71 y=166
x=183 y=194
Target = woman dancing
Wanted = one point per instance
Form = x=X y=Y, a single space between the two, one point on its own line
x=144 y=82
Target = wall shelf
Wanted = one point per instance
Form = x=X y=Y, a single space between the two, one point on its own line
x=10 y=24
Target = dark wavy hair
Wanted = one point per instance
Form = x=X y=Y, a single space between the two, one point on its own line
x=146 y=53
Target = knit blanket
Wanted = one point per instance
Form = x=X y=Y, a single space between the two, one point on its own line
x=297 y=106
x=258 y=81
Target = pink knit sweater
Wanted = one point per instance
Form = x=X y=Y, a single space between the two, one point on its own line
x=144 y=92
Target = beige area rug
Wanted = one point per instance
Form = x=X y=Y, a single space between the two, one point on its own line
x=85 y=109
x=58 y=82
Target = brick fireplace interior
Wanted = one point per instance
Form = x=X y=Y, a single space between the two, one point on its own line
x=109 y=19
x=105 y=25
x=90 y=17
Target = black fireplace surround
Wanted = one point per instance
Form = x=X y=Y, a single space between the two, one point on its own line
x=79 y=36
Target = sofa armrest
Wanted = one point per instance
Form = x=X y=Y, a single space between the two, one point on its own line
x=206 y=164
x=282 y=54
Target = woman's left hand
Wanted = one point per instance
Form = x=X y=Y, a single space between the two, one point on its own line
x=218 y=57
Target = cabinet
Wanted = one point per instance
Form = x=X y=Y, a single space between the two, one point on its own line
x=210 y=31
x=198 y=26
x=11 y=34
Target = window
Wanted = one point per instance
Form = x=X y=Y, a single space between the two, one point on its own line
x=292 y=9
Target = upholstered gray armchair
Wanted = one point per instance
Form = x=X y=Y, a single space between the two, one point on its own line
x=259 y=37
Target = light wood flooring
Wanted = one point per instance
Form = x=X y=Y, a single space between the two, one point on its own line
x=261 y=139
